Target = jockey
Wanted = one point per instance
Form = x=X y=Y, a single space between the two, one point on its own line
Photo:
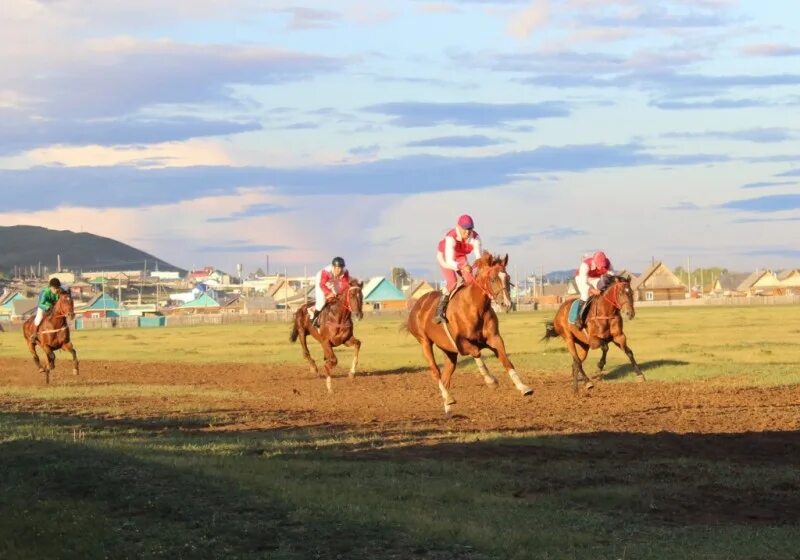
x=453 y=250
x=47 y=299
x=328 y=283
x=588 y=278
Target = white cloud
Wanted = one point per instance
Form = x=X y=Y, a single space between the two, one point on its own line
x=532 y=18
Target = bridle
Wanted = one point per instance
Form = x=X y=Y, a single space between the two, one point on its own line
x=484 y=287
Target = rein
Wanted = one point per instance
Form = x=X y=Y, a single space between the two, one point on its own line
x=614 y=302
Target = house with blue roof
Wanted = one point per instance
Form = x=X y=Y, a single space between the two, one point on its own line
x=380 y=294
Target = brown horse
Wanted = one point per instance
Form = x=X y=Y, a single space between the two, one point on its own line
x=471 y=325
x=53 y=334
x=603 y=325
x=336 y=328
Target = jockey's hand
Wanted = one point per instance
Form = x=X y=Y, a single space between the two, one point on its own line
x=330 y=297
x=466 y=274
x=594 y=292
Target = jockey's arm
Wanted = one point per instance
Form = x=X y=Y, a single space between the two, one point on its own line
x=324 y=280
x=476 y=248
x=582 y=278
x=344 y=281
x=450 y=253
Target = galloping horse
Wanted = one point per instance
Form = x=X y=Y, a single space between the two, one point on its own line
x=336 y=328
x=603 y=325
x=472 y=325
x=53 y=334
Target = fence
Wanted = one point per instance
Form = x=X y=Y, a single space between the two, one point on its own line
x=281 y=316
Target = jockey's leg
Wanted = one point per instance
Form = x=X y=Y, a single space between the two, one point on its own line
x=450 y=278
x=36 y=323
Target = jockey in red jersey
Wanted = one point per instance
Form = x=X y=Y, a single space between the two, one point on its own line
x=588 y=278
x=458 y=244
x=328 y=283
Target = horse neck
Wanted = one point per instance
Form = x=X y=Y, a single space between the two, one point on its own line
x=342 y=311
x=479 y=296
x=58 y=318
x=604 y=302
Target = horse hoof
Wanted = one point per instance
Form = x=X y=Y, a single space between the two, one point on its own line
x=588 y=385
x=329 y=385
x=527 y=392
x=640 y=378
x=352 y=374
x=74 y=372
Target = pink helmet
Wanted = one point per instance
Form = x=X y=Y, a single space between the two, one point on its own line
x=600 y=260
x=465 y=221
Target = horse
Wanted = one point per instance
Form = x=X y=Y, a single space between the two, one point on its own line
x=53 y=335
x=471 y=326
x=603 y=325
x=336 y=328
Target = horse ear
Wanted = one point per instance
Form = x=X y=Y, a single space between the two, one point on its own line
x=505 y=260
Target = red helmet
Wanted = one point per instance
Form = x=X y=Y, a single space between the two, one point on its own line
x=600 y=260
x=465 y=221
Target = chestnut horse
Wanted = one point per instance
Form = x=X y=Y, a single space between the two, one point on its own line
x=603 y=325
x=471 y=325
x=336 y=328
x=53 y=335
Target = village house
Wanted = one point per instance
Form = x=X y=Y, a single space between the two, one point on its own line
x=380 y=295
x=790 y=281
x=761 y=283
x=658 y=283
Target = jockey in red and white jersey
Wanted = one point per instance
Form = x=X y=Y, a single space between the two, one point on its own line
x=328 y=283
x=453 y=252
x=591 y=270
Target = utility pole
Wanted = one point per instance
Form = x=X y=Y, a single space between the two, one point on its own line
x=58 y=260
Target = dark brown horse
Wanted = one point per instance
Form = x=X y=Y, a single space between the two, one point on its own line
x=53 y=335
x=471 y=325
x=603 y=325
x=336 y=328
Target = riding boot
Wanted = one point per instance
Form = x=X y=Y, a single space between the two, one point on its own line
x=440 y=317
x=315 y=318
x=579 y=321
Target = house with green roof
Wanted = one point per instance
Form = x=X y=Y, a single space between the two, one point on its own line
x=203 y=304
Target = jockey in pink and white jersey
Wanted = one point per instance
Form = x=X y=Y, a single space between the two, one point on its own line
x=587 y=279
x=328 y=283
x=453 y=252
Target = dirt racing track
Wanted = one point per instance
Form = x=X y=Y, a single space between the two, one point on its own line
x=246 y=397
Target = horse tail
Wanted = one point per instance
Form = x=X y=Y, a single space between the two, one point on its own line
x=549 y=331
x=295 y=332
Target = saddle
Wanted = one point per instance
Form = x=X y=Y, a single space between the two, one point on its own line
x=573 y=310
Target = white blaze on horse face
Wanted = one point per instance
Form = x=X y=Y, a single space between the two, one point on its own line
x=503 y=279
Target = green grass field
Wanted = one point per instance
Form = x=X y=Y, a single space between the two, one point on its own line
x=93 y=487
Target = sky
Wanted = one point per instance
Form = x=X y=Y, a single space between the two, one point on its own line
x=225 y=132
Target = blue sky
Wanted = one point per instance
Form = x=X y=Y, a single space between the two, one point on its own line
x=219 y=132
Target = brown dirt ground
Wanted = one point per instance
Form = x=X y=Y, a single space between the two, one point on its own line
x=615 y=424
x=258 y=397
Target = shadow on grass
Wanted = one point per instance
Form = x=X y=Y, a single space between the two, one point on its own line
x=336 y=491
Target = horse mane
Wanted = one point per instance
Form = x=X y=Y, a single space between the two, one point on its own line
x=355 y=282
x=488 y=260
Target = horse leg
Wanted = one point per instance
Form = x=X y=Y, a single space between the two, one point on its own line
x=436 y=374
x=302 y=333
x=495 y=343
x=69 y=347
x=330 y=363
x=622 y=342
x=35 y=354
x=475 y=352
x=51 y=358
x=356 y=344
x=451 y=359
x=579 y=353
x=602 y=363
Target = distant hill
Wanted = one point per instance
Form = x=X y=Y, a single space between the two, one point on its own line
x=27 y=246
